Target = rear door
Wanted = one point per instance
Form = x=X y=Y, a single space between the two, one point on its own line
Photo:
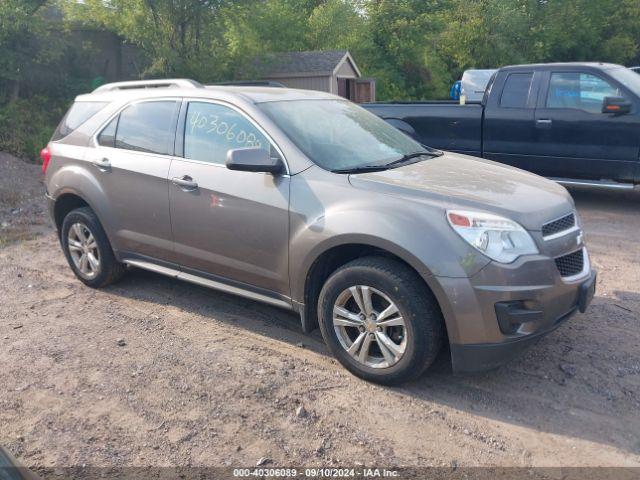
x=509 y=132
x=229 y=226
x=132 y=160
x=574 y=138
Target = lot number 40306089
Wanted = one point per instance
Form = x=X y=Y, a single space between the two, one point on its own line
x=211 y=124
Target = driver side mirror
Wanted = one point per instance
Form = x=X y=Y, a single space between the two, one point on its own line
x=616 y=105
x=254 y=159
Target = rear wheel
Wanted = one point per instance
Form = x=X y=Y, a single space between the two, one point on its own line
x=88 y=250
x=380 y=320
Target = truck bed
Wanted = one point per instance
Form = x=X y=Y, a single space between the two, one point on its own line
x=444 y=125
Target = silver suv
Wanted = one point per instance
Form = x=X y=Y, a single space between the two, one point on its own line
x=305 y=201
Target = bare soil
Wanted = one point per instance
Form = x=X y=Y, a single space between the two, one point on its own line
x=155 y=372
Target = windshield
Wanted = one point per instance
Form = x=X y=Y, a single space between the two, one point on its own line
x=628 y=78
x=337 y=134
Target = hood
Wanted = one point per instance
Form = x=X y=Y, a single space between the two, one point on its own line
x=463 y=182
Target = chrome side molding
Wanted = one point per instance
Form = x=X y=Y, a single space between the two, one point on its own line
x=206 y=282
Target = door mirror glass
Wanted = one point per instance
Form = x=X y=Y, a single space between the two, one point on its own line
x=616 y=105
x=253 y=159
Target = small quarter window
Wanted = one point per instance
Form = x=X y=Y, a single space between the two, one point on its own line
x=516 y=90
x=107 y=137
x=146 y=127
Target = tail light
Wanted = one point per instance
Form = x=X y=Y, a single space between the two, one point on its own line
x=45 y=156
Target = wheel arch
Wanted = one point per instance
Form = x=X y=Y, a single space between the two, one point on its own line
x=69 y=199
x=64 y=204
x=327 y=258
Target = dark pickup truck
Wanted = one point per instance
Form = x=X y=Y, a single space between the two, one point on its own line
x=574 y=122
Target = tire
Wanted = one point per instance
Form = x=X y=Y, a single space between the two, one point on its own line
x=390 y=285
x=74 y=237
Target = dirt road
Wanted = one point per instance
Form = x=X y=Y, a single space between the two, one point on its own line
x=207 y=379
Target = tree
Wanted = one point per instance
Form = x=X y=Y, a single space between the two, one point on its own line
x=181 y=37
x=25 y=44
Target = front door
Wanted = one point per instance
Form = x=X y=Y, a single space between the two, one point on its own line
x=232 y=226
x=573 y=135
x=131 y=164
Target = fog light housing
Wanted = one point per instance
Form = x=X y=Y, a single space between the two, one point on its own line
x=513 y=315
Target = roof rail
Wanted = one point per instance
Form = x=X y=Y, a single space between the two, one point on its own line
x=249 y=83
x=175 y=82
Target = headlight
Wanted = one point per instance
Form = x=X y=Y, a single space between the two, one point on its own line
x=498 y=238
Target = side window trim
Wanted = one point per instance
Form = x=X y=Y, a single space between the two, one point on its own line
x=174 y=122
x=610 y=81
x=182 y=125
x=178 y=144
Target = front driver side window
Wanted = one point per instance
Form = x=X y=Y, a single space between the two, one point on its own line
x=581 y=91
x=211 y=130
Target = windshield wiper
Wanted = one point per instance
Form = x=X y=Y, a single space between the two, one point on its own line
x=361 y=169
x=410 y=156
x=386 y=166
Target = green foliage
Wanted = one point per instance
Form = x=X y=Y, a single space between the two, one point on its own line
x=26 y=125
x=41 y=70
x=181 y=37
x=414 y=48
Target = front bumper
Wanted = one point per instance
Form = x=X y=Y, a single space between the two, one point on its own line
x=492 y=317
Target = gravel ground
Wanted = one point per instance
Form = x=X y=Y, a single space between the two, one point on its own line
x=155 y=372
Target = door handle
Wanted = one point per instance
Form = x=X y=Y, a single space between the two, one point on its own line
x=102 y=163
x=544 y=123
x=185 y=182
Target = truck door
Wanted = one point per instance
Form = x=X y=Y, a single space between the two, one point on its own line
x=509 y=133
x=574 y=139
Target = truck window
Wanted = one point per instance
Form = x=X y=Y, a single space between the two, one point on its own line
x=581 y=91
x=516 y=90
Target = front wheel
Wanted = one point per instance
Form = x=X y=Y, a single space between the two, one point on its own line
x=380 y=320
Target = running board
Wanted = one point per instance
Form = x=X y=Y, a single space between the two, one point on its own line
x=594 y=183
x=205 y=282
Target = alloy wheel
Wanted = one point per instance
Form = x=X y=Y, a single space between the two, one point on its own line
x=369 y=326
x=83 y=249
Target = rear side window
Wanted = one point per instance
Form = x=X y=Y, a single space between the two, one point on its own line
x=79 y=113
x=516 y=90
x=146 y=127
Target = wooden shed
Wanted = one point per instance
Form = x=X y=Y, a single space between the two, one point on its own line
x=328 y=71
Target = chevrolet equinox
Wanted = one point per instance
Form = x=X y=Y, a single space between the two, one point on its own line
x=303 y=200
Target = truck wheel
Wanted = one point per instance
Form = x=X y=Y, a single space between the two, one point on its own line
x=380 y=320
x=88 y=250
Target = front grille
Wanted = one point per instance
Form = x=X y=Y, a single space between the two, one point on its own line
x=560 y=225
x=571 y=264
